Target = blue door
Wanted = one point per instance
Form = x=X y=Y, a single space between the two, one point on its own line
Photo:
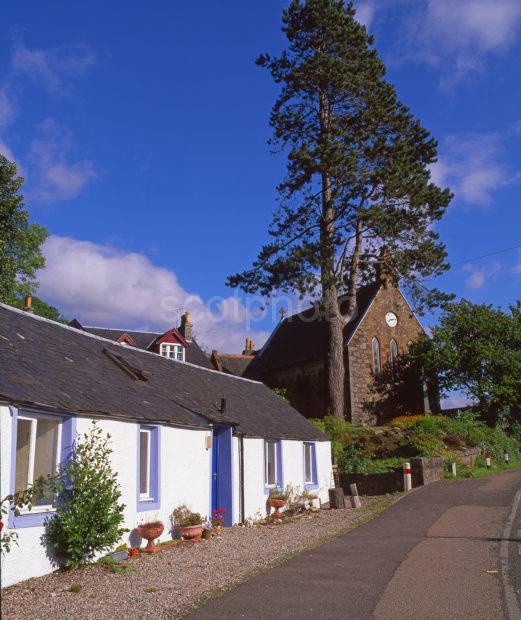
x=222 y=496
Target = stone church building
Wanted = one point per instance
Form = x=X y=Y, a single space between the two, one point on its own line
x=294 y=357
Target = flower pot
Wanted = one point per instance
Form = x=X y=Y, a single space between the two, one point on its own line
x=207 y=534
x=315 y=503
x=133 y=552
x=191 y=532
x=151 y=531
x=277 y=504
x=217 y=529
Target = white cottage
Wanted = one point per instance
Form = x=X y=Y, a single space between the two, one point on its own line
x=180 y=433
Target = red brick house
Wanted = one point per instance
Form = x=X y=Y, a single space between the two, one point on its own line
x=294 y=357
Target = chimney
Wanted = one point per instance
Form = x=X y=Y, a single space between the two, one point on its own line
x=186 y=327
x=216 y=360
x=28 y=304
x=248 y=347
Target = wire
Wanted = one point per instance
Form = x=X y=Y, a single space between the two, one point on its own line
x=470 y=260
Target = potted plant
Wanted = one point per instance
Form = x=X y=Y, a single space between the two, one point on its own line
x=133 y=552
x=311 y=499
x=277 y=499
x=150 y=531
x=189 y=524
x=217 y=520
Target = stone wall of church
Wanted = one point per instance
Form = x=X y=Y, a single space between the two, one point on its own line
x=368 y=406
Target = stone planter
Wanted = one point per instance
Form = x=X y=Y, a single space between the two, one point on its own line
x=151 y=531
x=118 y=556
x=191 y=532
x=315 y=503
x=277 y=504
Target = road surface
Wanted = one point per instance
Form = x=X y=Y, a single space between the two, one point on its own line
x=448 y=550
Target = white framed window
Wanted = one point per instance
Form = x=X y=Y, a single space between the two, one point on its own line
x=377 y=367
x=38 y=442
x=173 y=351
x=145 y=436
x=394 y=353
x=309 y=455
x=270 y=463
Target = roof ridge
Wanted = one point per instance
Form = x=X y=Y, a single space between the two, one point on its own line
x=124 y=329
x=29 y=315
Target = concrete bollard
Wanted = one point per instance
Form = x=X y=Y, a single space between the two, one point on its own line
x=487 y=461
x=407 y=480
x=507 y=458
x=454 y=472
x=355 y=498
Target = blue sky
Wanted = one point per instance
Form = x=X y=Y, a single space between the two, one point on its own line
x=141 y=130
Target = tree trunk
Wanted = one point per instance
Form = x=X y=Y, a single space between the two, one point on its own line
x=335 y=357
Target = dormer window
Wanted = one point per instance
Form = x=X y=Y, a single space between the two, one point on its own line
x=173 y=351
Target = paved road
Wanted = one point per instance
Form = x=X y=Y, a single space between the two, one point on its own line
x=434 y=554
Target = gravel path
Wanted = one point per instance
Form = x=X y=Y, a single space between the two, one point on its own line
x=170 y=583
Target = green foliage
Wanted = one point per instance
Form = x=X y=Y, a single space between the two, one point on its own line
x=16 y=502
x=352 y=460
x=278 y=493
x=425 y=443
x=123 y=570
x=41 y=308
x=20 y=242
x=282 y=393
x=182 y=516
x=88 y=513
x=477 y=349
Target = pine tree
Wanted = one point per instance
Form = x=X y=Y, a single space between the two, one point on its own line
x=357 y=177
x=20 y=242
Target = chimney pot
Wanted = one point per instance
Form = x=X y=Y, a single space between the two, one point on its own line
x=28 y=304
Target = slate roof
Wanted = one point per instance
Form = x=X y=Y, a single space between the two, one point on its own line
x=236 y=364
x=194 y=354
x=47 y=364
x=303 y=337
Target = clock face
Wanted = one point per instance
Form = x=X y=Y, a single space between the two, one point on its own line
x=391 y=319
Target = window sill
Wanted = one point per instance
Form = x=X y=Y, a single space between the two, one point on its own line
x=30 y=519
x=148 y=504
x=308 y=486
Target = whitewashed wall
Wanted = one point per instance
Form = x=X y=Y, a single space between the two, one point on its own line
x=255 y=496
x=185 y=476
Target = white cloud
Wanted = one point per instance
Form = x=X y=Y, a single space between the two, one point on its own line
x=103 y=286
x=455 y=36
x=365 y=13
x=7 y=109
x=51 y=67
x=455 y=401
x=57 y=178
x=472 y=167
x=480 y=276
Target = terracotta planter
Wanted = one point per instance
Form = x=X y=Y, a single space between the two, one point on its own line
x=191 y=532
x=217 y=529
x=277 y=504
x=151 y=531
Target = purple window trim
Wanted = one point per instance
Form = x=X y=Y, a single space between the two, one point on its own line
x=314 y=474
x=154 y=503
x=68 y=435
x=279 y=473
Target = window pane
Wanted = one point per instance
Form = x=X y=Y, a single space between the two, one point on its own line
x=376 y=357
x=23 y=443
x=271 y=463
x=45 y=452
x=307 y=456
x=143 y=462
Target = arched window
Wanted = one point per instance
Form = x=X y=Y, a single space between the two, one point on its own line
x=377 y=368
x=394 y=353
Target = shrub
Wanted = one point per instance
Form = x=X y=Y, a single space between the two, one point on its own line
x=88 y=513
x=352 y=460
x=405 y=421
x=426 y=444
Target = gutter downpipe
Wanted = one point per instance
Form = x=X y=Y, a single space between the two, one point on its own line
x=240 y=437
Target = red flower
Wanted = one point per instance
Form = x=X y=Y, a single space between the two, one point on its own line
x=1 y=525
